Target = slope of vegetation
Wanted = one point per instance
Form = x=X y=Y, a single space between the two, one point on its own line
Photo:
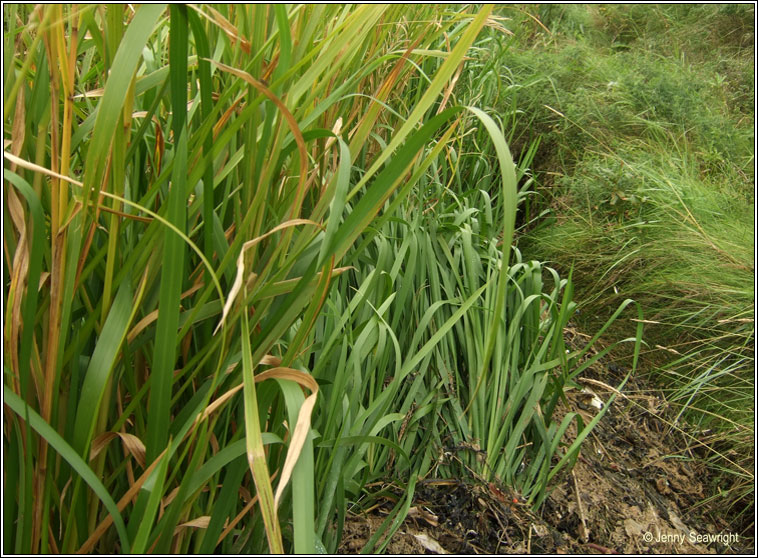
x=256 y=259
x=644 y=182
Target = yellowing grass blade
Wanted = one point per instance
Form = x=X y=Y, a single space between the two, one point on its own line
x=303 y=420
x=441 y=77
x=133 y=445
x=201 y=522
x=256 y=457
x=237 y=285
x=70 y=455
x=291 y=122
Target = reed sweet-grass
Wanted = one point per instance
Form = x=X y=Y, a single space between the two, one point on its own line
x=179 y=193
x=257 y=258
x=399 y=350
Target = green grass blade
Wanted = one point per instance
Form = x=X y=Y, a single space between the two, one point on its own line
x=431 y=92
x=109 y=108
x=508 y=173
x=172 y=272
x=206 y=105
x=69 y=455
x=254 y=444
x=101 y=366
x=223 y=506
x=302 y=481
x=155 y=486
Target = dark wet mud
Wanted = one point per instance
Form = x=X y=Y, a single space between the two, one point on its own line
x=635 y=489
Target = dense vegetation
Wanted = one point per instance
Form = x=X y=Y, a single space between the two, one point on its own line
x=645 y=172
x=260 y=263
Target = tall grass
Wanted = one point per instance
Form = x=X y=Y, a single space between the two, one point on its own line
x=181 y=187
x=646 y=166
x=684 y=249
x=399 y=352
x=257 y=258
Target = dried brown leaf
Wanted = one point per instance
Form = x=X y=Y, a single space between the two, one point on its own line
x=237 y=285
x=201 y=522
x=132 y=444
x=300 y=432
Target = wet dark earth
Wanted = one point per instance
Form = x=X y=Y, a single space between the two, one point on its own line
x=633 y=490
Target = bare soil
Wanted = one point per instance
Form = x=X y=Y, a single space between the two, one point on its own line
x=635 y=489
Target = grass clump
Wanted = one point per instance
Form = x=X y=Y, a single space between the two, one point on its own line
x=401 y=351
x=181 y=187
x=256 y=259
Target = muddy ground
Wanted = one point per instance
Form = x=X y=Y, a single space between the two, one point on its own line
x=633 y=491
